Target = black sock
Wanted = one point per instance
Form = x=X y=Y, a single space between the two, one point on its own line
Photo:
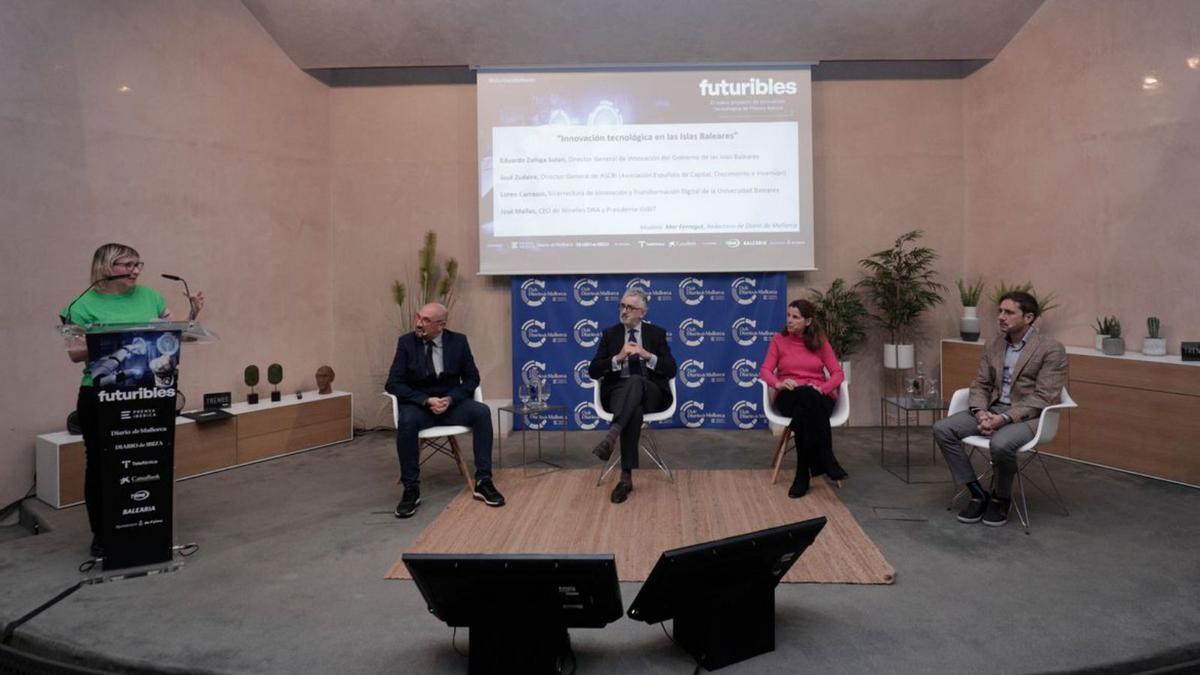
x=613 y=432
x=976 y=490
x=627 y=476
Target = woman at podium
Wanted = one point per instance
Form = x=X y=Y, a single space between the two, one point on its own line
x=794 y=367
x=114 y=296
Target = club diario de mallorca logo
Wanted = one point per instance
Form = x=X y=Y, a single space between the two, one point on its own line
x=692 y=292
x=534 y=293
x=534 y=334
x=587 y=292
x=585 y=416
x=745 y=372
x=693 y=415
x=587 y=333
x=581 y=373
x=532 y=370
x=693 y=374
x=692 y=333
x=645 y=286
x=745 y=291
x=745 y=414
x=746 y=332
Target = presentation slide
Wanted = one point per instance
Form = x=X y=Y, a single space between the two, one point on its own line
x=640 y=170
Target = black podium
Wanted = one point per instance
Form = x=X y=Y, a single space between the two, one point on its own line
x=134 y=370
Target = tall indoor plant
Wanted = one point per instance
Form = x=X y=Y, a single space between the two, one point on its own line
x=841 y=314
x=900 y=282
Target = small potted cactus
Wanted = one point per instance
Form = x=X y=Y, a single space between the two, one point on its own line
x=251 y=378
x=1154 y=345
x=275 y=376
x=1103 y=330
x=1114 y=344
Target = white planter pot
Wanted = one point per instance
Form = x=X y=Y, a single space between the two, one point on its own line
x=968 y=325
x=846 y=370
x=1100 y=341
x=897 y=356
x=1154 y=346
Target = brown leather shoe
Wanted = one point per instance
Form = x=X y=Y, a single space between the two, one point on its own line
x=621 y=492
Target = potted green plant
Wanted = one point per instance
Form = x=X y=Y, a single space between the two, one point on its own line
x=250 y=375
x=434 y=282
x=275 y=376
x=1114 y=344
x=1153 y=344
x=900 y=283
x=1104 y=327
x=968 y=324
x=841 y=314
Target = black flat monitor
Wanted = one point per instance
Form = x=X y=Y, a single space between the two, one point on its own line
x=721 y=594
x=518 y=606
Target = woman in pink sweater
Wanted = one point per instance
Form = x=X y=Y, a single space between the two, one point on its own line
x=795 y=368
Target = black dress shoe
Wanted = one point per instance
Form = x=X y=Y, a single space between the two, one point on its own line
x=973 y=511
x=603 y=450
x=621 y=492
x=407 y=507
x=799 y=485
x=997 y=511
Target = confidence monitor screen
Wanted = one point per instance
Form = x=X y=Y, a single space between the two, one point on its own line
x=640 y=170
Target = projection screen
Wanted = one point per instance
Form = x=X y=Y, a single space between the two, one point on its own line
x=645 y=170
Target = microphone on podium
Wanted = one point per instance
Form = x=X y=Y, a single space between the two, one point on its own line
x=65 y=318
x=186 y=291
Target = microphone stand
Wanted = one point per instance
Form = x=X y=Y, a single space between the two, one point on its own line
x=187 y=292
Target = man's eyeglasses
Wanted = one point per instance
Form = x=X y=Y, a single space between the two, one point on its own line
x=131 y=266
x=632 y=308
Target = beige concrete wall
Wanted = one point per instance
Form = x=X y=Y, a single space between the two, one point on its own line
x=214 y=164
x=888 y=158
x=1083 y=181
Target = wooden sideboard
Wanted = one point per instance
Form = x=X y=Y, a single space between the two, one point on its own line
x=254 y=433
x=1136 y=413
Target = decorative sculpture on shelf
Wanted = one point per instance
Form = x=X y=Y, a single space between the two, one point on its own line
x=251 y=377
x=324 y=377
x=275 y=376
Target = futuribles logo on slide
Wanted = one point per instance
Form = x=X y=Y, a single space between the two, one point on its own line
x=585 y=415
x=745 y=414
x=581 y=373
x=752 y=87
x=745 y=372
x=587 y=333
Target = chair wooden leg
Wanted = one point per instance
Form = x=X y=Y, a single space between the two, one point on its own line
x=780 y=451
x=462 y=464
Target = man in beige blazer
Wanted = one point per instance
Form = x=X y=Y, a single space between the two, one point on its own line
x=1021 y=373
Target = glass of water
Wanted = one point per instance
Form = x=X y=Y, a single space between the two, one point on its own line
x=543 y=391
x=523 y=394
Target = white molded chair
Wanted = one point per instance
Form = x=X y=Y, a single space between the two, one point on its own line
x=441 y=439
x=839 y=416
x=1047 y=429
x=649 y=446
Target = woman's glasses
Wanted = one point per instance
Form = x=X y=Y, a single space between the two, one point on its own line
x=130 y=266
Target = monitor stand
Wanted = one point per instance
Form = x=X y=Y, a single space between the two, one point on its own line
x=728 y=624
x=513 y=645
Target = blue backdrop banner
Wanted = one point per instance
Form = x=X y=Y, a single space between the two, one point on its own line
x=718 y=325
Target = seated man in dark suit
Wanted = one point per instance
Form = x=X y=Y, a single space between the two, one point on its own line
x=434 y=377
x=634 y=366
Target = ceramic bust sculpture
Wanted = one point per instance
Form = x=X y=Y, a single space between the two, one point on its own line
x=324 y=379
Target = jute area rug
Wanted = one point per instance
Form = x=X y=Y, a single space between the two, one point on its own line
x=565 y=512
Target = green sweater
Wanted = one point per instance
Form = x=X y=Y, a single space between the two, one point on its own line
x=139 y=304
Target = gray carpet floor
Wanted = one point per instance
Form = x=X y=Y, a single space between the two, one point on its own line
x=289 y=574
